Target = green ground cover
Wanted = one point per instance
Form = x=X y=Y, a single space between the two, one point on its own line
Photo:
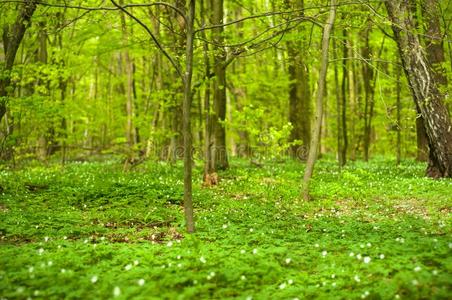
x=91 y=231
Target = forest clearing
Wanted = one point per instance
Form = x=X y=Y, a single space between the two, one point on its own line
x=225 y=149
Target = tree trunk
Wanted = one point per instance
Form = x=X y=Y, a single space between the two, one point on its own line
x=338 y=110
x=315 y=140
x=344 y=99
x=188 y=97
x=368 y=76
x=299 y=93
x=399 y=108
x=219 y=94
x=210 y=177
x=426 y=91
x=12 y=37
x=127 y=68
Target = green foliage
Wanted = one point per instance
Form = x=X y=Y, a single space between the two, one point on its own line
x=87 y=230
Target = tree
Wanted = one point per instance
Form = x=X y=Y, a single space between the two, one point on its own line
x=220 y=155
x=299 y=93
x=315 y=139
x=12 y=37
x=424 y=86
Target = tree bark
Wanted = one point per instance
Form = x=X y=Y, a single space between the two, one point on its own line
x=425 y=89
x=219 y=92
x=399 y=108
x=12 y=37
x=368 y=76
x=127 y=68
x=344 y=99
x=210 y=177
x=299 y=93
x=188 y=97
x=315 y=140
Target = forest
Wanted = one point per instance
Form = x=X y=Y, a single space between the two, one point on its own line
x=225 y=149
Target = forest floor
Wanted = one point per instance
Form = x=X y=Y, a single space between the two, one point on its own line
x=91 y=231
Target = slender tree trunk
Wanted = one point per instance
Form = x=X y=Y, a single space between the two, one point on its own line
x=219 y=94
x=426 y=91
x=315 y=141
x=210 y=176
x=12 y=37
x=368 y=76
x=127 y=66
x=399 y=108
x=344 y=98
x=299 y=93
x=188 y=97
x=338 y=110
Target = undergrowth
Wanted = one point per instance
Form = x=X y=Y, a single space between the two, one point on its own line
x=91 y=231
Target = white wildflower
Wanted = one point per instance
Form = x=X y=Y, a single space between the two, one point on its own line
x=202 y=259
x=417 y=269
x=116 y=291
x=357 y=279
x=94 y=279
x=128 y=267
x=288 y=260
x=141 y=282
x=324 y=253
x=254 y=251
x=366 y=259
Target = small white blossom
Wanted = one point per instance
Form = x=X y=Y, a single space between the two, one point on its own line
x=40 y=251
x=116 y=291
x=366 y=259
x=316 y=245
x=290 y=281
x=128 y=267
x=94 y=279
x=242 y=251
x=63 y=271
x=282 y=286
x=202 y=259
x=46 y=239
x=358 y=256
x=324 y=253
x=417 y=269
x=351 y=254
x=170 y=243
x=357 y=279
x=382 y=256
x=415 y=282
x=251 y=229
x=254 y=251
x=141 y=282
x=288 y=260
x=50 y=263
x=225 y=226
x=243 y=277
x=136 y=262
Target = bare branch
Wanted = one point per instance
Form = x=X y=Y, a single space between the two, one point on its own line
x=157 y=43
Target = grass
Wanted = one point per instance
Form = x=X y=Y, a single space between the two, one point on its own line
x=90 y=231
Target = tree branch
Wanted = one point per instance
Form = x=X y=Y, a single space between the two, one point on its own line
x=157 y=43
